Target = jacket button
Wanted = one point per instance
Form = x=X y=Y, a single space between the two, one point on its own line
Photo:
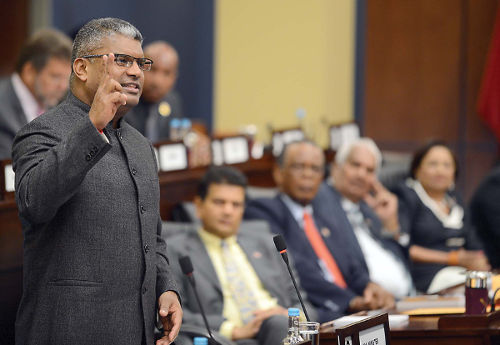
x=146 y=248
x=143 y=209
x=144 y=290
x=88 y=157
x=134 y=171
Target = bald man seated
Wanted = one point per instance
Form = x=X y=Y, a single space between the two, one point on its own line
x=159 y=103
x=160 y=106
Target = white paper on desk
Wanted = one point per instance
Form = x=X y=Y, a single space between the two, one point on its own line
x=395 y=321
x=430 y=301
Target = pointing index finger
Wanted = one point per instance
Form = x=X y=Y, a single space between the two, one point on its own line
x=108 y=59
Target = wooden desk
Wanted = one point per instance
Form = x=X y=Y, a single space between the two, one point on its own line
x=430 y=330
x=178 y=186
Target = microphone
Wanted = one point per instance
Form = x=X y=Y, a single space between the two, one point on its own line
x=280 y=244
x=187 y=269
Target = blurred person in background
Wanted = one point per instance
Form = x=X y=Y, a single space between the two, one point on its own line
x=159 y=115
x=441 y=237
x=40 y=81
x=485 y=215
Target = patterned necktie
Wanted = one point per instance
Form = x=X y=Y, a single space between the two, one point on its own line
x=356 y=218
x=322 y=250
x=243 y=296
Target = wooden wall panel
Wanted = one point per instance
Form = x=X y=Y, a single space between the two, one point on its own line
x=13 y=32
x=412 y=64
x=424 y=63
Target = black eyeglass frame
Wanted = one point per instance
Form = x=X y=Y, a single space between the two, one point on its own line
x=145 y=62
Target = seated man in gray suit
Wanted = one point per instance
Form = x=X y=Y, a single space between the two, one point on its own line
x=369 y=213
x=224 y=257
x=336 y=282
x=40 y=81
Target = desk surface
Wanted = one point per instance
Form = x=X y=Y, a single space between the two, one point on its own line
x=425 y=330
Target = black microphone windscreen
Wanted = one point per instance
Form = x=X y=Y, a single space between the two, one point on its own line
x=279 y=242
x=186 y=265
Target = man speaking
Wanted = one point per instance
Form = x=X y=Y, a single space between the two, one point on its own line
x=95 y=267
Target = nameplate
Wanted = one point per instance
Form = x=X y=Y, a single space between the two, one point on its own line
x=342 y=134
x=235 y=150
x=280 y=139
x=172 y=157
x=372 y=336
x=9 y=178
x=373 y=330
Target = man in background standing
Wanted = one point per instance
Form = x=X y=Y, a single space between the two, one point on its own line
x=40 y=81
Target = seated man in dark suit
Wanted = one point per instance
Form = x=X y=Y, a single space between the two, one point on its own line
x=369 y=215
x=336 y=283
x=225 y=257
x=485 y=215
x=159 y=114
x=159 y=103
x=40 y=81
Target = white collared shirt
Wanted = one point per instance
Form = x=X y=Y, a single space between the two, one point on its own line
x=385 y=268
x=28 y=102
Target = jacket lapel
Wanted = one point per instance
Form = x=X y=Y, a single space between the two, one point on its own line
x=202 y=262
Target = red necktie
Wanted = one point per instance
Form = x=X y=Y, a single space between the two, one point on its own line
x=322 y=251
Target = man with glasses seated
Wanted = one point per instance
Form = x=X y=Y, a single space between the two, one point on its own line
x=95 y=265
x=334 y=280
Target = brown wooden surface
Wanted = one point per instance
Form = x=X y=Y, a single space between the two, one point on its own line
x=424 y=63
x=178 y=186
x=425 y=330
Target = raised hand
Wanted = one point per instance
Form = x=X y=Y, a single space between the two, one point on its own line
x=385 y=205
x=108 y=97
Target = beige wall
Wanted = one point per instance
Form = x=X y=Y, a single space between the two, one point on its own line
x=275 y=56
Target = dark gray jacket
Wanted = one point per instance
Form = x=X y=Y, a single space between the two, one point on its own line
x=94 y=261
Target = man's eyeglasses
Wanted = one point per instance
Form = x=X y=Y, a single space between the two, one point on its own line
x=124 y=60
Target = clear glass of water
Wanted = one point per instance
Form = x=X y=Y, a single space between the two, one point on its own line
x=309 y=330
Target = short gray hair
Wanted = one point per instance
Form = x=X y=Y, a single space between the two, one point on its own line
x=346 y=148
x=89 y=37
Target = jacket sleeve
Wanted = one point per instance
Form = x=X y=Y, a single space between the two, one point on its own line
x=50 y=166
x=165 y=279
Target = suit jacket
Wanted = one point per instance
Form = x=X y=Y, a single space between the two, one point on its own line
x=94 y=260
x=256 y=241
x=485 y=215
x=12 y=117
x=331 y=200
x=330 y=300
x=138 y=116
